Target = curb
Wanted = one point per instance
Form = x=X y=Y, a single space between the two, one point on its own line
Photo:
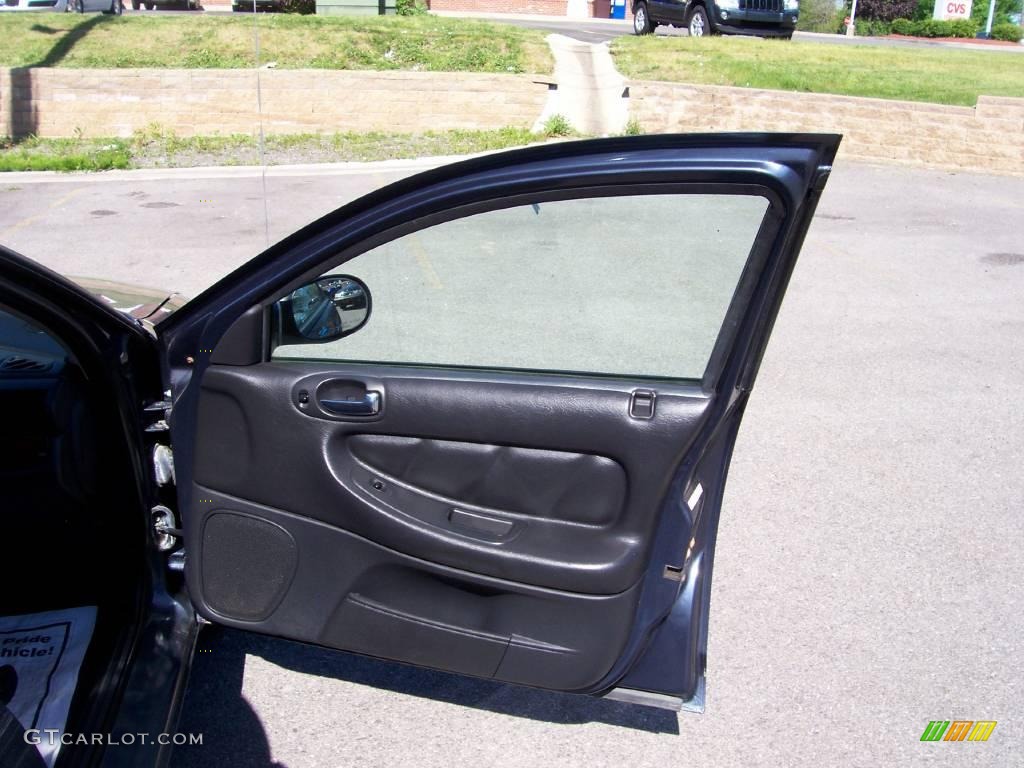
x=233 y=171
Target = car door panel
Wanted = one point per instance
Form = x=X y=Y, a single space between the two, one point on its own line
x=255 y=443
x=669 y=11
x=531 y=482
x=270 y=570
x=535 y=527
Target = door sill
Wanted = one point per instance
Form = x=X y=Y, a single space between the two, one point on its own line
x=645 y=698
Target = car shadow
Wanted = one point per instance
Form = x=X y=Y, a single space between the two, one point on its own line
x=233 y=734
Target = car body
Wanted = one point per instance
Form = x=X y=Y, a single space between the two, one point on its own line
x=111 y=7
x=183 y=5
x=257 y=5
x=149 y=305
x=762 y=18
x=60 y=6
x=543 y=525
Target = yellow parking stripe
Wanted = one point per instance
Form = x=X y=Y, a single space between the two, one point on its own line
x=36 y=217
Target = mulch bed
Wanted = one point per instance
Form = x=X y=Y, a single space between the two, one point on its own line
x=972 y=40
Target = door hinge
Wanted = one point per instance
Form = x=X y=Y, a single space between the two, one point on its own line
x=165 y=528
x=176 y=561
x=160 y=412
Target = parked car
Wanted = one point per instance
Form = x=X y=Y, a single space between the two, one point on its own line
x=544 y=525
x=115 y=7
x=182 y=5
x=243 y=6
x=763 y=18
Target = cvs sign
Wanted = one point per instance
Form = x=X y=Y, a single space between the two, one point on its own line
x=947 y=10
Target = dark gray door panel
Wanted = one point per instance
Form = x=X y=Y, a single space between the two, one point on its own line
x=258 y=441
x=271 y=571
x=564 y=485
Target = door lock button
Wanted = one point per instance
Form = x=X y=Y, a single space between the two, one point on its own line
x=641 y=405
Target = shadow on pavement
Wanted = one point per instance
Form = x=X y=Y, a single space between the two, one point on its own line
x=233 y=734
x=214 y=706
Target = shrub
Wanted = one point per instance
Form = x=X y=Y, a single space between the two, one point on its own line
x=962 y=28
x=817 y=16
x=558 y=125
x=304 y=7
x=1007 y=31
x=633 y=128
x=936 y=28
x=873 y=28
x=925 y=9
x=410 y=7
x=885 y=10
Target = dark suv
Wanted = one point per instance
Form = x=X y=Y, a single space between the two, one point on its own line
x=767 y=18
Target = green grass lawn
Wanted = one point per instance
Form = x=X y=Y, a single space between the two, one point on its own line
x=293 y=42
x=155 y=148
x=938 y=75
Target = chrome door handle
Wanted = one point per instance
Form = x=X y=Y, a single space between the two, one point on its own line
x=368 y=405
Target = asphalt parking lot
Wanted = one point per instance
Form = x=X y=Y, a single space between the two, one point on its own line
x=868 y=570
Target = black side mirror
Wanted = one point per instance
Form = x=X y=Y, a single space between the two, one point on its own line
x=326 y=309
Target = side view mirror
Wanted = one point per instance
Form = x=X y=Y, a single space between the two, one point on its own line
x=326 y=309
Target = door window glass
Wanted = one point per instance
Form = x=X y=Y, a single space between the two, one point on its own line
x=631 y=285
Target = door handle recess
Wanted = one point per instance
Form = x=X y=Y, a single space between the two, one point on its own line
x=367 y=405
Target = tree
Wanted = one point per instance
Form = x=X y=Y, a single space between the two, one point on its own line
x=979 y=11
x=886 y=10
x=818 y=16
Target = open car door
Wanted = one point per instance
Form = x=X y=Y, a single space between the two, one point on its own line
x=481 y=420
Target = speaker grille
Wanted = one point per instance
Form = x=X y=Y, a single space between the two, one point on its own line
x=247 y=565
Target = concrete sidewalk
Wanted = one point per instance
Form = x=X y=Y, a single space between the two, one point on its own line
x=590 y=89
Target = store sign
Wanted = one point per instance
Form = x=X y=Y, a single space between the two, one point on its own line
x=948 y=10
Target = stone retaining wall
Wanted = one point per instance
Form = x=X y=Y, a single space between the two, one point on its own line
x=95 y=102
x=98 y=102
x=988 y=137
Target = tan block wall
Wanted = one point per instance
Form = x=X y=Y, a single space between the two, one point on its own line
x=988 y=137
x=96 y=102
